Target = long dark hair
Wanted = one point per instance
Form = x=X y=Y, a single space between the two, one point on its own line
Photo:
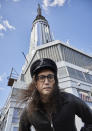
x=32 y=97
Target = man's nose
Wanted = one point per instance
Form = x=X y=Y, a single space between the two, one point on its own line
x=46 y=80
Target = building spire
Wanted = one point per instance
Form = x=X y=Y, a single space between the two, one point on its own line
x=39 y=10
x=40 y=33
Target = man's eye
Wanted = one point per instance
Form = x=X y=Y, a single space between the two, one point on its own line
x=50 y=76
x=42 y=77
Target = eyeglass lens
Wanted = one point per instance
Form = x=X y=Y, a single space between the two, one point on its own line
x=50 y=77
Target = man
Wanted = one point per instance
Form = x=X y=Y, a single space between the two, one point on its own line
x=47 y=108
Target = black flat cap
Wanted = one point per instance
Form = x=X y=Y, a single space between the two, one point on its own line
x=41 y=64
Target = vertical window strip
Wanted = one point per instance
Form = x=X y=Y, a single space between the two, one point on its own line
x=57 y=54
x=42 y=34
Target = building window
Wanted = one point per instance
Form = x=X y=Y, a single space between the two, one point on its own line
x=62 y=72
x=88 y=77
x=79 y=75
x=15 y=129
x=16 y=115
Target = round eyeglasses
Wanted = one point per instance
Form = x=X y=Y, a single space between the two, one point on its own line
x=42 y=78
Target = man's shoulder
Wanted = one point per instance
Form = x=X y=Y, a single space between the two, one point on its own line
x=68 y=96
x=63 y=93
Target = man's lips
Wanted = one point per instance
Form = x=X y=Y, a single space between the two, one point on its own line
x=47 y=88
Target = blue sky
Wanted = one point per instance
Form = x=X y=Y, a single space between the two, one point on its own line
x=70 y=21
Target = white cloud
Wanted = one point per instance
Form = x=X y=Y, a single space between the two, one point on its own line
x=2 y=80
x=2 y=77
x=49 y=3
x=57 y=2
x=46 y=3
x=7 y=25
x=2 y=27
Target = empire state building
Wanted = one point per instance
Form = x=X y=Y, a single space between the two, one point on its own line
x=40 y=33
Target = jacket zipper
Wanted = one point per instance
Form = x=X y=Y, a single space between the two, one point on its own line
x=51 y=122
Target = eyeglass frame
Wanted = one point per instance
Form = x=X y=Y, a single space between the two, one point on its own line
x=44 y=77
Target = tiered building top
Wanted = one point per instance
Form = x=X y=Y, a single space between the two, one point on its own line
x=40 y=33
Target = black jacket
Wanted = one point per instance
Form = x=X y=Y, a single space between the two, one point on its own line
x=62 y=120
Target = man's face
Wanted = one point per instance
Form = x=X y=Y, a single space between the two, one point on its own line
x=45 y=82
